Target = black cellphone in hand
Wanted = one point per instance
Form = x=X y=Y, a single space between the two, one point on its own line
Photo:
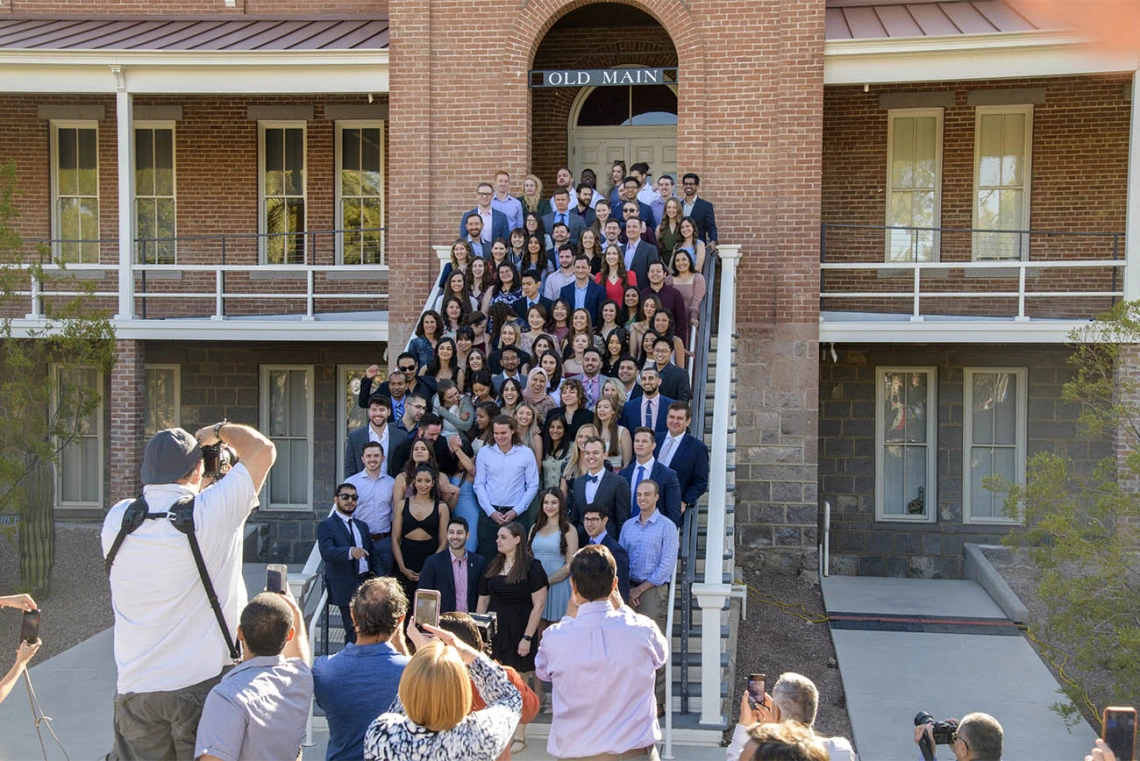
x=276 y=578
x=1119 y=731
x=30 y=628
x=757 y=684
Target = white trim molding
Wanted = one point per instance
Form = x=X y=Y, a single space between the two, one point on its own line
x=1001 y=55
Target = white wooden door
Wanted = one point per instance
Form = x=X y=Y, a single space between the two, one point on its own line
x=598 y=147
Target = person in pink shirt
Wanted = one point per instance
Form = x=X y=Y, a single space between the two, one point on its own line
x=601 y=647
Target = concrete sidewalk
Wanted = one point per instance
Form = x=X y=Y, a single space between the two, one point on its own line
x=890 y=674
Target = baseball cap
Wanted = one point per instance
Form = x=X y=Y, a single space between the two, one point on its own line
x=169 y=455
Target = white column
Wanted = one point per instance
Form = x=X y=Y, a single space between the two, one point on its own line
x=1132 y=224
x=713 y=592
x=124 y=119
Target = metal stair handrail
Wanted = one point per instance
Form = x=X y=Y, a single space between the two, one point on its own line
x=690 y=525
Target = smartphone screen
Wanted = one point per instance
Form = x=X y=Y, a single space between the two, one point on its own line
x=427 y=607
x=1120 y=731
x=757 y=683
x=276 y=578
x=30 y=628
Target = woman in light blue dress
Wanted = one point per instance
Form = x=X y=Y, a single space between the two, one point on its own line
x=553 y=542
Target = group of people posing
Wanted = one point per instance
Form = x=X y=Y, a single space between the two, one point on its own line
x=519 y=428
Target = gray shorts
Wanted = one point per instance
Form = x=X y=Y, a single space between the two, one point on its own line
x=159 y=725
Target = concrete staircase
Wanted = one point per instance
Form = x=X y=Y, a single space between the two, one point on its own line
x=687 y=729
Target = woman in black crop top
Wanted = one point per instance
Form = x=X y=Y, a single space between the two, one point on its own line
x=419 y=529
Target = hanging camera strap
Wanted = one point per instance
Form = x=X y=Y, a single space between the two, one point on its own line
x=181 y=515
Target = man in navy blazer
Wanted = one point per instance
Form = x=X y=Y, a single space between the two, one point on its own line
x=562 y=213
x=440 y=569
x=644 y=465
x=379 y=425
x=684 y=454
x=607 y=491
x=500 y=225
x=649 y=407
x=701 y=210
x=593 y=294
x=596 y=522
x=346 y=547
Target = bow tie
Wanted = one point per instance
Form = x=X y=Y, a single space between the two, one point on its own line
x=593 y=479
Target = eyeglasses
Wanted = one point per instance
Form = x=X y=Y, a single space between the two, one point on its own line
x=408 y=369
x=353 y=497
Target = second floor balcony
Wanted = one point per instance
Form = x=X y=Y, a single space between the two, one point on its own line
x=880 y=283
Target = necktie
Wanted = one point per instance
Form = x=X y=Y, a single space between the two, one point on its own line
x=637 y=480
x=648 y=413
x=562 y=218
x=361 y=563
x=666 y=449
x=592 y=479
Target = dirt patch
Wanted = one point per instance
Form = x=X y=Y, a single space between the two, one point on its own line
x=79 y=605
x=773 y=641
x=1023 y=577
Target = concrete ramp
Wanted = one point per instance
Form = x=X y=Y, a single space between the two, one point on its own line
x=910 y=645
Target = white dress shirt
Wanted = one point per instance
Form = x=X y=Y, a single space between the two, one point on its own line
x=362 y=561
x=633 y=483
x=381 y=439
x=592 y=486
x=669 y=448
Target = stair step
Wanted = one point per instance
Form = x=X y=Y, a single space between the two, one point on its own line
x=694 y=659
x=696 y=630
x=695 y=689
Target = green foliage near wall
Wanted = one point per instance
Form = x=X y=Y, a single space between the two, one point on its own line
x=1082 y=527
x=41 y=411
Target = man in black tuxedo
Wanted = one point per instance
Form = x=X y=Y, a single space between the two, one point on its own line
x=598 y=488
x=684 y=454
x=380 y=428
x=596 y=522
x=346 y=547
x=645 y=466
x=699 y=209
x=443 y=569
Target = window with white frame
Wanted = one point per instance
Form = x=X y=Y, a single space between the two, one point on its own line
x=1003 y=140
x=349 y=414
x=914 y=183
x=360 y=192
x=79 y=473
x=155 y=201
x=906 y=451
x=75 y=191
x=993 y=439
x=163 y=398
x=282 y=192
x=287 y=419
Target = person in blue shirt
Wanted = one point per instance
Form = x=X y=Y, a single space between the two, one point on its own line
x=360 y=682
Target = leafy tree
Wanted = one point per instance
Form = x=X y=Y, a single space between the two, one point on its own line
x=42 y=415
x=1081 y=525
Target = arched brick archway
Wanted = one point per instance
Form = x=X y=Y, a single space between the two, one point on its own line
x=536 y=17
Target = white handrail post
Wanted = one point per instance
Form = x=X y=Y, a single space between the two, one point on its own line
x=668 y=754
x=1021 y=294
x=916 y=313
x=1132 y=215
x=125 y=132
x=713 y=592
x=37 y=292
x=309 y=298
x=219 y=305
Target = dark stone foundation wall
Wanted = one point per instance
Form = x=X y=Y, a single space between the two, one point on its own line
x=222 y=381
x=860 y=545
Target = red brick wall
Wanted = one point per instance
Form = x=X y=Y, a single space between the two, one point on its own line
x=128 y=409
x=191 y=7
x=1079 y=183
x=216 y=165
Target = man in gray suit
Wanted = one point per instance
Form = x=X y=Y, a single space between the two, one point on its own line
x=388 y=434
x=638 y=254
x=599 y=488
x=562 y=214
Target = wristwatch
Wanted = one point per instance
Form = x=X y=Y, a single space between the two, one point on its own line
x=218 y=429
x=528 y=638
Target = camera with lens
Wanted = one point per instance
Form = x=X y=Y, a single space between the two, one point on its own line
x=944 y=733
x=487 y=624
x=217 y=459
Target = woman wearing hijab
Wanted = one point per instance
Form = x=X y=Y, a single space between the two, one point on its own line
x=536 y=392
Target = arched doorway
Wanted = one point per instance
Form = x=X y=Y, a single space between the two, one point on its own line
x=632 y=124
x=593 y=126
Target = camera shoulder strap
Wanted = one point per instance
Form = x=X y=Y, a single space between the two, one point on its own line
x=181 y=515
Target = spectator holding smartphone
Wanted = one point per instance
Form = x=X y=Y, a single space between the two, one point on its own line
x=794 y=698
x=25 y=651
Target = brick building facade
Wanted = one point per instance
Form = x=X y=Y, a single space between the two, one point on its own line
x=791 y=114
